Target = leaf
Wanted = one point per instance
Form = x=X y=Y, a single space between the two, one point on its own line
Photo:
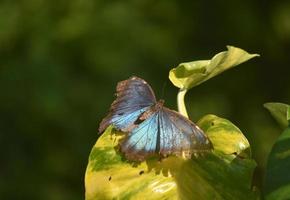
x=225 y=136
x=212 y=176
x=108 y=176
x=280 y=112
x=216 y=176
x=277 y=181
x=190 y=74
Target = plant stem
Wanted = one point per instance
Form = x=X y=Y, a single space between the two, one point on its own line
x=180 y=102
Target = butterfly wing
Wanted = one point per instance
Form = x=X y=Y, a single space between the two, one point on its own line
x=134 y=96
x=165 y=132
x=141 y=142
x=180 y=136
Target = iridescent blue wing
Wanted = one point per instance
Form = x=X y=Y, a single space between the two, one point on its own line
x=180 y=136
x=134 y=96
x=164 y=133
x=142 y=141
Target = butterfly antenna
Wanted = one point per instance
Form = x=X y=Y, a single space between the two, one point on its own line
x=163 y=89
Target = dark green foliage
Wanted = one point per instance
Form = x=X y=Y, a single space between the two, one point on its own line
x=277 y=180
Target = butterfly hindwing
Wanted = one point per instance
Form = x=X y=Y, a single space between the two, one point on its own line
x=134 y=96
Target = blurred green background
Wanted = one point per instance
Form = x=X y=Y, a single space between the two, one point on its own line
x=60 y=62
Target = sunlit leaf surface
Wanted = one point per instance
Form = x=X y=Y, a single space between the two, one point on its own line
x=190 y=74
x=222 y=174
x=225 y=136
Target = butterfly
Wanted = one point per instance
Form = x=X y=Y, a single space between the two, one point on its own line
x=151 y=129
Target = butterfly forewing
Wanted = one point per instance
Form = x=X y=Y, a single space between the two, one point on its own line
x=172 y=139
x=134 y=96
x=179 y=135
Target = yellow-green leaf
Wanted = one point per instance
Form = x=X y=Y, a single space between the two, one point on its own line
x=280 y=112
x=216 y=175
x=190 y=74
x=225 y=136
x=108 y=176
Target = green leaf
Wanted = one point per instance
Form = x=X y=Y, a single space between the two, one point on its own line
x=190 y=74
x=280 y=112
x=216 y=175
x=277 y=181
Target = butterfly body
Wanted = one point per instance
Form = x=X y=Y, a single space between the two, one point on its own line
x=151 y=128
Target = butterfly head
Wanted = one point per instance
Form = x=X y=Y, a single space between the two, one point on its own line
x=160 y=103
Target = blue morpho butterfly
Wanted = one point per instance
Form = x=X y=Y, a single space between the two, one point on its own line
x=151 y=128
